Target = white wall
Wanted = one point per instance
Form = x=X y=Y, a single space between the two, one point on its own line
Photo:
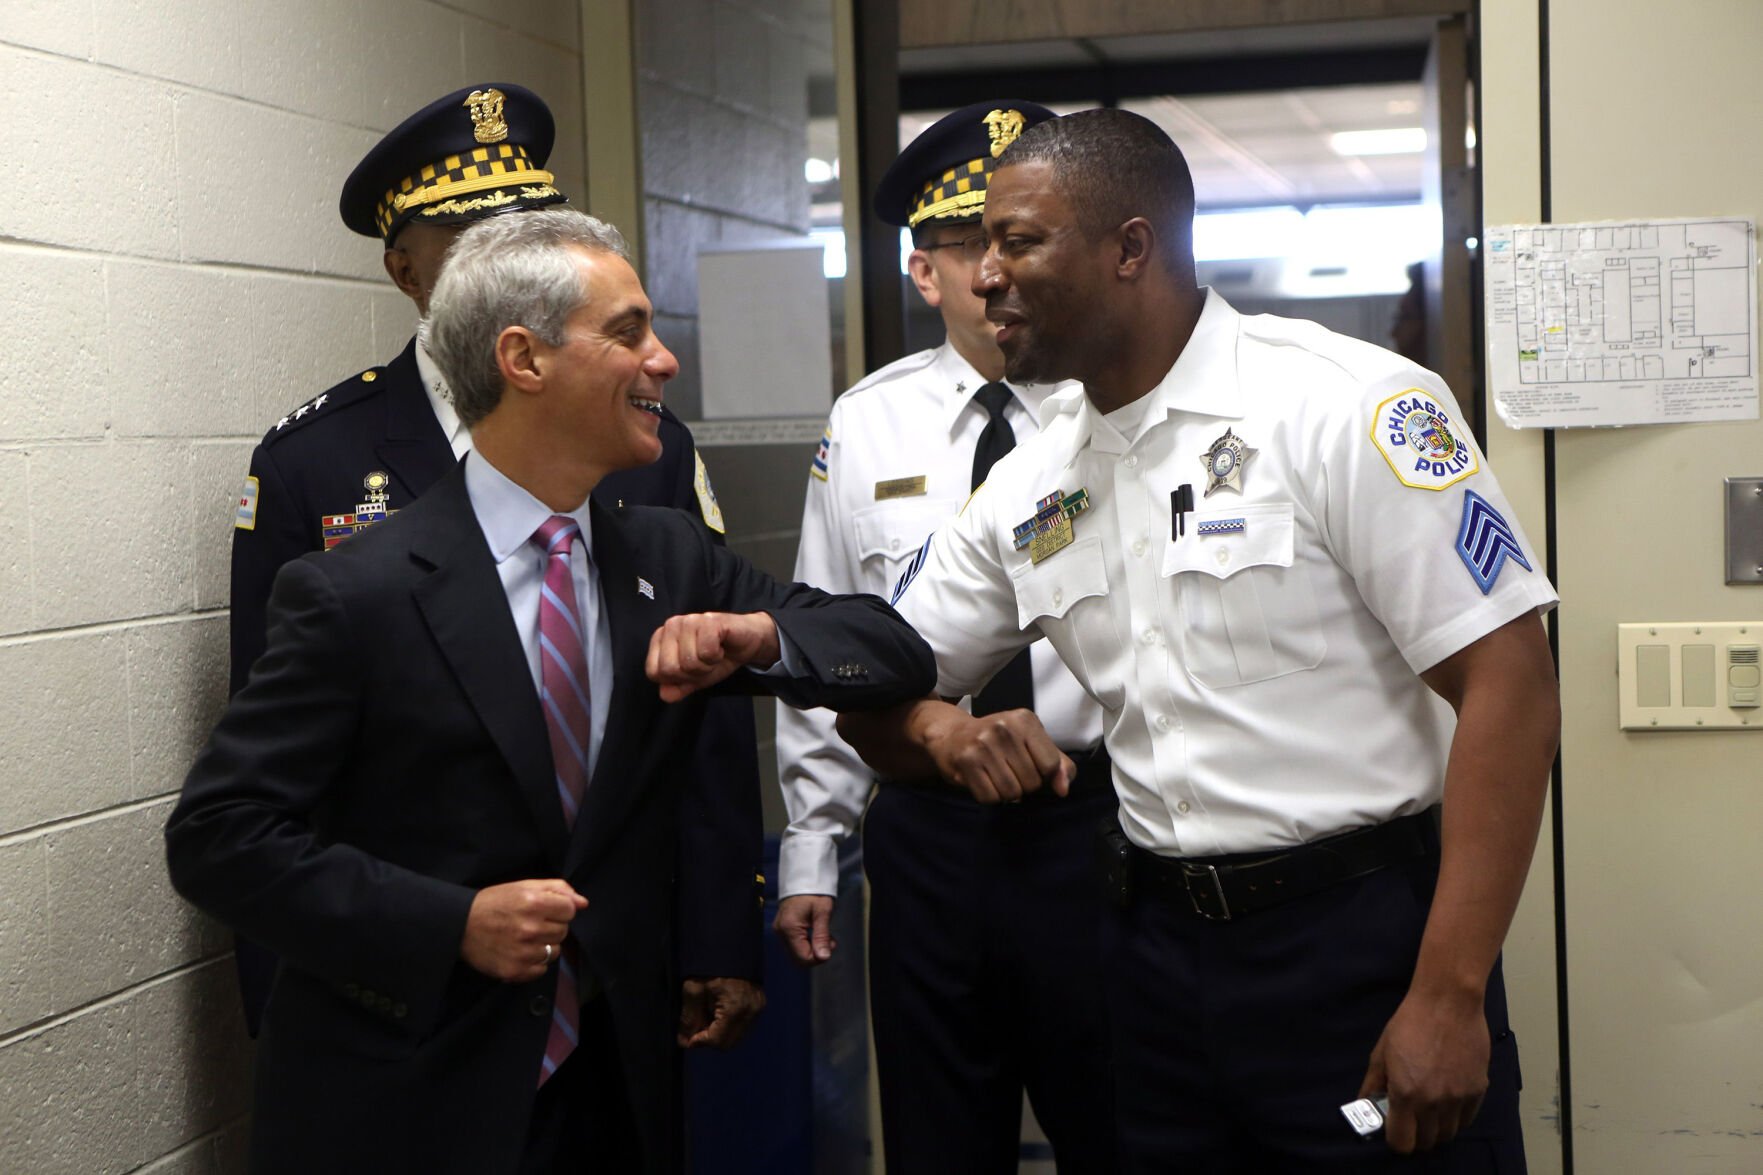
x=176 y=278
x=1664 y=937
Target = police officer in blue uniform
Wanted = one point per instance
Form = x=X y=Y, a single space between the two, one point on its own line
x=373 y=443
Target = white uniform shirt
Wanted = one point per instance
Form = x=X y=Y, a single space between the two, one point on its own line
x=1258 y=675
x=896 y=464
x=434 y=384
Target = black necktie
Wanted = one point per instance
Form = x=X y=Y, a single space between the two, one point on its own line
x=1013 y=688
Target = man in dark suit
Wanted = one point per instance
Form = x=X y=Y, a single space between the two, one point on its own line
x=447 y=795
x=371 y=445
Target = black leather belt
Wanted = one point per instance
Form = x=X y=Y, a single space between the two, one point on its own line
x=1219 y=889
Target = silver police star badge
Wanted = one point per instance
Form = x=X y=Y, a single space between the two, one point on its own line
x=1224 y=463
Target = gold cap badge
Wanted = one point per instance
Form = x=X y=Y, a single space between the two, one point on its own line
x=1004 y=126
x=487 y=124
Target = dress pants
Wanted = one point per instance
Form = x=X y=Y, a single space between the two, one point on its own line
x=985 y=979
x=1236 y=1043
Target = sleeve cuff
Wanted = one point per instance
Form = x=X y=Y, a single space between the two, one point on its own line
x=807 y=863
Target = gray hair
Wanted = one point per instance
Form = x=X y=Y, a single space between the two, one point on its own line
x=510 y=270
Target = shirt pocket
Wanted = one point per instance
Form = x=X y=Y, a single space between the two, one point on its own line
x=890 y=533
x=1066 y=597
x=1248 y=612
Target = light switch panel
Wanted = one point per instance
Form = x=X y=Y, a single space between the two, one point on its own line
x=1689 y=675
x=1744 y=530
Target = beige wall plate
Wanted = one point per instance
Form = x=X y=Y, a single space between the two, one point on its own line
x=1690 y=675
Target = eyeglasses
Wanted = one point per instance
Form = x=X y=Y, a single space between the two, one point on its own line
x=972 y=248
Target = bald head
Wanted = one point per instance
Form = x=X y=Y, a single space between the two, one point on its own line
x=1112 y=166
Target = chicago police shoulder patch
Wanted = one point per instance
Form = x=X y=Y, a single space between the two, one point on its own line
x=1485 y=541
x=1424 y=447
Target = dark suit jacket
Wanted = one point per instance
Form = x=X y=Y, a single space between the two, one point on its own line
x=388 y=757
x=312 y=463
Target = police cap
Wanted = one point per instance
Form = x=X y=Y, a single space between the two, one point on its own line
x=942 y=174
x=478 y=151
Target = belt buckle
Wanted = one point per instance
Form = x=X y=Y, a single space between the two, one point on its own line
x=1190 y=873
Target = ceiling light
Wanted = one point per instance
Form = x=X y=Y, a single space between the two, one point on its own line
x=1408 y=140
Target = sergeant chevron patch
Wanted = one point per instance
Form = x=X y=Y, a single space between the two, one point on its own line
x=911 y=572
x=1485 y=541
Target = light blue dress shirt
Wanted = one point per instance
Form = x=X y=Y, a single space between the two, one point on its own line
x=509 y=516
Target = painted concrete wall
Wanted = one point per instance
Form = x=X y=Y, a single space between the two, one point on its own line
x=1664 y=944
x=176 y=278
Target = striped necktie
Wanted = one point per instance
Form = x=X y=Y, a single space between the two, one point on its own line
x=563 y=692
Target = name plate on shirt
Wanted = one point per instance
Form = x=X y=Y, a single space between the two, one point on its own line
x=900 y=487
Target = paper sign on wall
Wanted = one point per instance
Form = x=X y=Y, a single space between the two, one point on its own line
x=1622 y=322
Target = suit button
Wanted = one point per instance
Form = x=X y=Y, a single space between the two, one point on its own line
x=352 y=990
x=400 y=1010
x=539 y=1006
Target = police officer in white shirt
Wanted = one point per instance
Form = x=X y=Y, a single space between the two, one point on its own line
x=983 y=944
x=1276 y=558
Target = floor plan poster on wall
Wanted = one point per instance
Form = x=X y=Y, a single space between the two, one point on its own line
x=1641 y=322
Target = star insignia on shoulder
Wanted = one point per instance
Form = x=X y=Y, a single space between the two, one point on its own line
x=311 y=406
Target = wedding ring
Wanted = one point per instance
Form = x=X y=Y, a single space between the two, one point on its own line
x=547 y=952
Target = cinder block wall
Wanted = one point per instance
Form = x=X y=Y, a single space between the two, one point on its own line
x=722 y=107
x=176 y=278
x=722 y=110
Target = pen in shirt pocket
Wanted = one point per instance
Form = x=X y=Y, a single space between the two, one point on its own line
x=1181 y=503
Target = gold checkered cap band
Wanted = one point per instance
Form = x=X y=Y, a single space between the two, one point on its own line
x=451 y=185
x=959 y=191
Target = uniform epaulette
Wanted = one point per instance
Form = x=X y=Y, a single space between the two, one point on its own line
x=905 y=365
x=326 y=403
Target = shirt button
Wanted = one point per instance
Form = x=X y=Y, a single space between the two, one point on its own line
x=1149 y=636
x=1131 y=461
x=1058 y=597
x=1223 y=556
x=1182 y=807
x=1138 y=548
x=1162 y=722
x=894 y=545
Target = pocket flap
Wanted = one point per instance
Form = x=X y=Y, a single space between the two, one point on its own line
x=1049 y=588
x=894 y=530
x=1223 y=541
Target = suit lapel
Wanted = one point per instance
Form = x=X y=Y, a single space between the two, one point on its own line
x=466 y=609
x=633 y=615
x=413 y=446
